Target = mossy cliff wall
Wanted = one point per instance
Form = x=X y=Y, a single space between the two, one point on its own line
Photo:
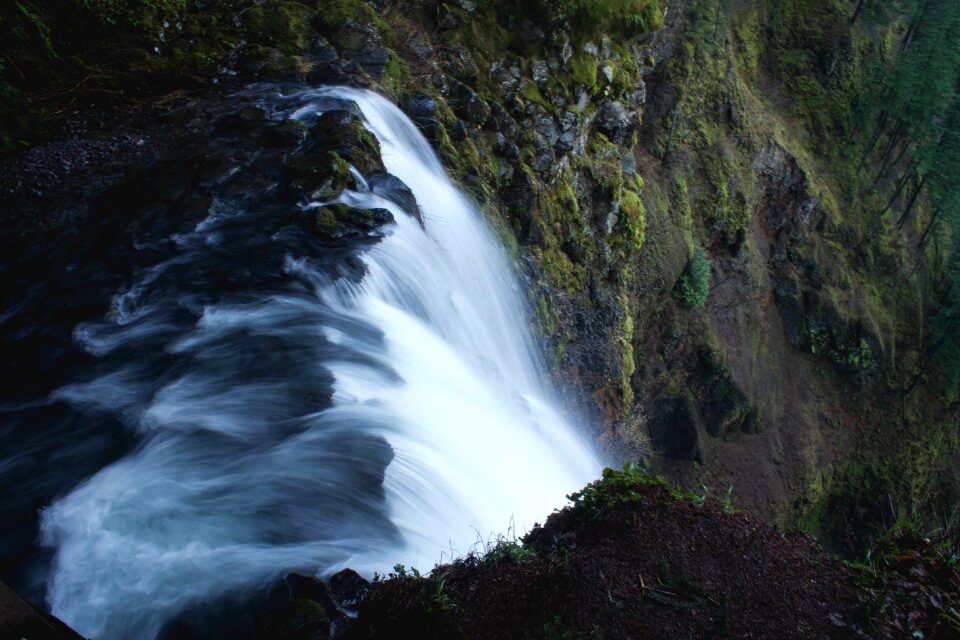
x=619 y=148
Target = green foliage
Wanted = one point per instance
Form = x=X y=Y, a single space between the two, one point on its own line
x=34 y=17
x=693 y=285
x=136 y=13
x=437 y=598
x=509 y=549
x=617 y=488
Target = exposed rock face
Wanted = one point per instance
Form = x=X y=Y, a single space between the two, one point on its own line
x=811 y=320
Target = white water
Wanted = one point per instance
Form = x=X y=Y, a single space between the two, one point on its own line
x=232 y=488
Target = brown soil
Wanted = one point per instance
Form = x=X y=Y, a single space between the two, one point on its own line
x=653 y=567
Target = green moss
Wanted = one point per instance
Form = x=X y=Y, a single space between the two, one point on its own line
x=396 y=78
x=326 y=221
x=627 y=364
x=334 y=13
x=605 y=167
x=583 y=69
x=284 y=24
x=633 y=217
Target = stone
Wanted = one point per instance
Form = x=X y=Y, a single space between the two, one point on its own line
x=320 y=50
x=348 y=588
x=546 y=126
x=466 y=103
x=501 y=120
x=614 y=121
x=374 y=61
x=388 y=186
x=540 y=72
x=607 y=72
x=353 y=36
x=458 y=132
x=288 y=133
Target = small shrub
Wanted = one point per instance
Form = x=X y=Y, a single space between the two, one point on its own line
x=616 y=487
x=693 y=285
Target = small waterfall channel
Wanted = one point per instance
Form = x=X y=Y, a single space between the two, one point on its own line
x=316 y=424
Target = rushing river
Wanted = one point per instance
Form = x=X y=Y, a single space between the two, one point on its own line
x=318 y=423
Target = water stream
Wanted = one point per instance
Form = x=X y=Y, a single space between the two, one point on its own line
x=441 y=432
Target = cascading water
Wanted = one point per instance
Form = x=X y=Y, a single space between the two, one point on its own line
x=440 y=430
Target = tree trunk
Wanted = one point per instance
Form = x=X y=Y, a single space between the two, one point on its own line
x=856 y=12
x=883 y=169
x=925 y=238
x=896 y=193
x=881 y=124
x=913 y=199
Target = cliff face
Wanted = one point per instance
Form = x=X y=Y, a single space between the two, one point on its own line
x=622 y=148
x=607 y=160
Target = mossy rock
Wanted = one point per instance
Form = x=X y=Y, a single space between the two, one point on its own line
x=725 y=409
x=285 y=25
x=340 y=222
x=321 y=176
x=633 y=217
x=341 y=131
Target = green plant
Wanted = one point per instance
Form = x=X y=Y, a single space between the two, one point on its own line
x=615 y=488
x=437 y=597
x=693 y=285
x=511 y=550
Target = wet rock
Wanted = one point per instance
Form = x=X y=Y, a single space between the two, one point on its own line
x=466 y=103
x=546 y=126
x=354 y=37
x=540 y=72
x=348 y=588
x=458 y=132
x=342 y=132
x=569 y=126
x=422 y=109
x=462 y=67
x=320 y=50
x=467 y=5
x=341 y=223
x=245 y=119
x=319 y=177
x=614 y=121
x=392 y=188
x=331 y=73
x=507 y=77
x=374 y=61
x=517 y=197
x=288 y=133
x=638 y=95
x=501 y=120
x=543 y=155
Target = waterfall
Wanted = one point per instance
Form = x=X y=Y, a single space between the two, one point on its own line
x=441 y=431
